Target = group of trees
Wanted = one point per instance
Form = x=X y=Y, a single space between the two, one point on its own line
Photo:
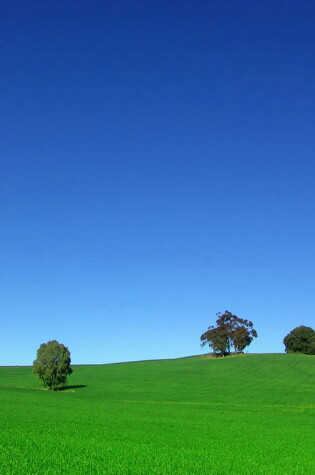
x=231 y=332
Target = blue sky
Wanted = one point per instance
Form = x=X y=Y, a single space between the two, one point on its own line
x=157 y=166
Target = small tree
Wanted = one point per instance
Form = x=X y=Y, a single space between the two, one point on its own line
x=300 y=340
x=217 y=338
x=243 y=336
x=53 y=364
x=231 y=331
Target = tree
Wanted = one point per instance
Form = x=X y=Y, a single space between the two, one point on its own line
x=53 y=364
x=300 y=340
x=217 y=338
x=231 y=331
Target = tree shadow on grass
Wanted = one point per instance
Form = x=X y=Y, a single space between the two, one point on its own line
x=65 y=388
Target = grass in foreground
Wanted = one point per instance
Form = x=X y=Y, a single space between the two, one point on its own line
x=246 y=415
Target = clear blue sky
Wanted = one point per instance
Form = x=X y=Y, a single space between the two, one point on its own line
x=157 y=166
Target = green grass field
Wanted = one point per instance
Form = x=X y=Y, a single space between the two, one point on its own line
x=252 y=414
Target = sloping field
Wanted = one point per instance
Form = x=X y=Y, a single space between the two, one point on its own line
x=244 y=415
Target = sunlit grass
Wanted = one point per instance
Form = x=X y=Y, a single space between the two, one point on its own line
x=246 y=415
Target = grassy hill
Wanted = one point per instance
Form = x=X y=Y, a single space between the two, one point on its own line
x=252 y=414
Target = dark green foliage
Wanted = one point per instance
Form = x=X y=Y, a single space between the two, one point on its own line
x=300 y=340
x=231 y=331
x=217 y=338
x=53 y=364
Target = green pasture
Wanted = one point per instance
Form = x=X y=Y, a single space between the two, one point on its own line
x=252 y=414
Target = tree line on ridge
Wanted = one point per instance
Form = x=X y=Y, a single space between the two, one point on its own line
x=53 y=362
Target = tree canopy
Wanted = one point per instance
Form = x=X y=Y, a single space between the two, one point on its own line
x=53 y=364
x=230 y=332
x=300 y=340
